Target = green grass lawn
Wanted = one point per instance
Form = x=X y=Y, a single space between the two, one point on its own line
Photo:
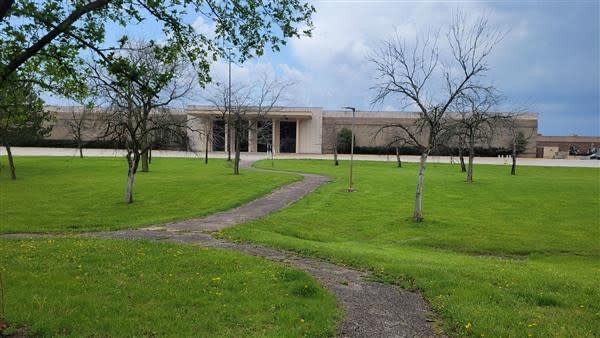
x=503 y=256
x=72 y=194
x=108 y=288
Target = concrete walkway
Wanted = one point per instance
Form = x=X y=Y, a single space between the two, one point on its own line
x=278 y=199
x=23 y=151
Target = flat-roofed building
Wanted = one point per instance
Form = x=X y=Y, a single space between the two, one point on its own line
x=562 y=146
x=313 y=130
x=308 y=130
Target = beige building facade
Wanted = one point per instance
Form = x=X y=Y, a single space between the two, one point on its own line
x=305 y=130
x=313 y=130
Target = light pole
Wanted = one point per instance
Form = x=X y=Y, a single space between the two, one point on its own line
x=350 y=188
x=229 y=139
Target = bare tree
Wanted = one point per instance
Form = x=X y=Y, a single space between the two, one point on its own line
x=518 y=139
x=139 y=86
x=398 y=159
x=474 y=122
x=82 y=126
x=331 y=132
x=409 y=73
x=456 y=141
x=245 y=106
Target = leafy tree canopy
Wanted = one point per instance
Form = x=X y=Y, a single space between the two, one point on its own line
x=43 y=40
x=22 y=116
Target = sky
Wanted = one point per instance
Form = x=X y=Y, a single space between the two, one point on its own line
x=548 y=62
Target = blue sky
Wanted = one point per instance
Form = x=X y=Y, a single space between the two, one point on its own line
x=548 y=61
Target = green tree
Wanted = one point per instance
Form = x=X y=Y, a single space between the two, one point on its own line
x=139 y=85
x=43 y=40
x=344 y=140
x=22 y=116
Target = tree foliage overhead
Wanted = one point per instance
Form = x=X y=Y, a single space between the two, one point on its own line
x=43 y=40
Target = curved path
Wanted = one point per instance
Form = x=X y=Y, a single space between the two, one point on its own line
x=371 y=309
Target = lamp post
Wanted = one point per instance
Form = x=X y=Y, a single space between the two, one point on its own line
x=229 y=139
x=350 y=188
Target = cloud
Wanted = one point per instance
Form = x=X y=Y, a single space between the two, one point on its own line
x=549 y=56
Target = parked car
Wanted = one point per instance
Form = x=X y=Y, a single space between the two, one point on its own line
x=595 y=156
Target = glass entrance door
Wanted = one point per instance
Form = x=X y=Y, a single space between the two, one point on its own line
x=218 y=135
x=287 y=136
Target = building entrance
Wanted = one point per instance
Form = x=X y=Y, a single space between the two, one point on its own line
x=287 y=136
x=218 y=135
x=264 y=131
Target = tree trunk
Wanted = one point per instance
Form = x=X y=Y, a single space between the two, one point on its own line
x=513 y=169
x=11 y=163
x=145 y=164
x=335 y=156
x=80 y=146
x=418 y=215
x=398 y=157
x=150 y=155
x=132 y=169
x=471 y=156
x=335 y=151
x=463 y=168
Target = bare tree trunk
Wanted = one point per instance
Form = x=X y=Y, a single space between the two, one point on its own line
x=145 y=165
x=11 y=163
x=471 y=156
x=335 y=156
x=398 y=157
x=513 y=169
x=463 y=168
x=132 y=168
x=418 y=215
x=79 y=144
x=150 y=155
x=335 y=150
